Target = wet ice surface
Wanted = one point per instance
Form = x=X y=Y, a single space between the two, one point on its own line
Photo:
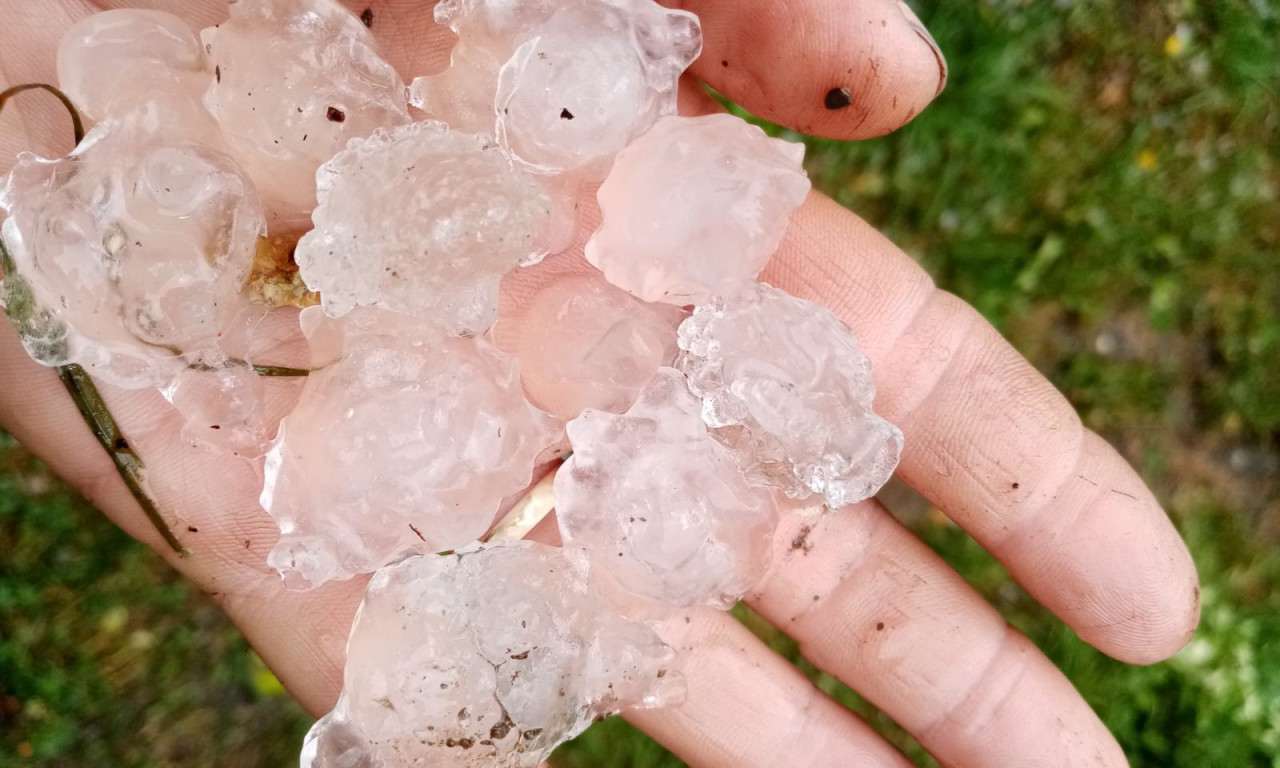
x=785 y=385
x=407 y=442
x=489 y=657
x=695 y=205
x=567 y=84
x=422 y=220
x=282 y=85
x=585 y=344
x=114 y=62
x=294 y=80
x=224 y=408
x=658 y=508
x=129 y=254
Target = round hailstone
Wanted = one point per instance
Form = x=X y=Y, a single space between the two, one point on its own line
x=293 y=82
x=569 y=83
x=785 y=385
x=127 y=256
x=591 y=79
x=112 y=62
x=658 y=509
x=584 y=344
x=425 y=221
x=407 y=443
x=694 y=205
x=491 y=656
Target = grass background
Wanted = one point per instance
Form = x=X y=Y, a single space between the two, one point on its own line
x=1100 y=179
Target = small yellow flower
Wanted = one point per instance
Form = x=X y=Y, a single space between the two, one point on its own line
x=1173 y=45
x=264 y=681
x=114 y=620
x=1147 y=160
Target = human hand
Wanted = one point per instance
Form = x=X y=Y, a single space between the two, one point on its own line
x=988 y=441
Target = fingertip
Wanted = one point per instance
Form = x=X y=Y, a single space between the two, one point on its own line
x=1104 y=556
x=1164 y=604
x=1156 y=608
x=922 y=32
x=1154 y=644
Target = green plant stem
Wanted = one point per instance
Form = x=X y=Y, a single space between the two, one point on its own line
x=77 y=125
x=128 y=464
x=268 y=371
x=276 y=371
x=81 y=387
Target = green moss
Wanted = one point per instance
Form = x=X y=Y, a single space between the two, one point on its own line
x=43 y=335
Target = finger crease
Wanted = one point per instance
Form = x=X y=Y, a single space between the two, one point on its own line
x=904 y=412
x=1032 y=514
x=958 y=712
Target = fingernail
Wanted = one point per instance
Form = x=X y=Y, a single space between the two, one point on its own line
x=914 y=21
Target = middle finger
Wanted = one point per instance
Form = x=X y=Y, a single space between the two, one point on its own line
x=873 y=606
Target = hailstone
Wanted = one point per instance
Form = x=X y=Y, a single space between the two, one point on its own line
x=785 y=385
x=491 y=656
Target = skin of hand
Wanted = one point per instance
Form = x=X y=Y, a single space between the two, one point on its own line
x=988 y=441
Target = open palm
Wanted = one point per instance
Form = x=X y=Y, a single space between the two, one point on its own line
x=988 y=441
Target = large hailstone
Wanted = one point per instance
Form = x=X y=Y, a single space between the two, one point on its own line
x=293 y=82
x=425 y=221
x=113 y=62
x=408 y=442
x=569 y=83
x=784 y=384
x=695 y=205
x=491 y=657
x=658 y=509
x=127 y=256
x=584 y=344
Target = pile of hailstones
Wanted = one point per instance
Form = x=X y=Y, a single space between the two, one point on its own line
x=133 y=257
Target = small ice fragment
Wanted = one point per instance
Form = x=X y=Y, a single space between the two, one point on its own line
x=785 y=385
x=224 y=407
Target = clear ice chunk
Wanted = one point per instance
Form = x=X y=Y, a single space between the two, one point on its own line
x=657 y=509
x=571 y=82
x=113 y=62
x=407 y=442
x=422 y=220
x=584 y=344
x=784 y=384
x=490 y=657
x=293 y=81
x=695 y=205
x=127 y=256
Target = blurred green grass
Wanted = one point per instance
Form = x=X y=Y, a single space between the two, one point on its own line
x=1100 y=179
